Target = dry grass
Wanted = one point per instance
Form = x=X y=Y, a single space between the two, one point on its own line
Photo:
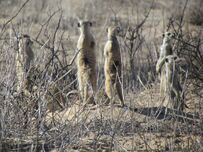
x=40 y=122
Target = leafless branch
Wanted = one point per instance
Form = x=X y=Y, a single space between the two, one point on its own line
x=7 y=22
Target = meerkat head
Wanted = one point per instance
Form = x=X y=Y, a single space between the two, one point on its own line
x=113 y=31
x=25 y=41
x=168 y=36
x=84 y=26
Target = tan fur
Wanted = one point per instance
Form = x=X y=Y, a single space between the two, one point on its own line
x=24 y=59
x=112 y=67
x=165 y=50
x=86 y=61
x=174 y=94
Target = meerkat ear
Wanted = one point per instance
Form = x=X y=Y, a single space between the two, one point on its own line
x=90 y=23
x=78 y=24
x=163 y=35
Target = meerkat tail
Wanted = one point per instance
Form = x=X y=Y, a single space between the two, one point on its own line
x=119 y=91
x=108 y=89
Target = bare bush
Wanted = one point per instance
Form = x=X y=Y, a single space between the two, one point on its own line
x=53 y=118
x=195 y=13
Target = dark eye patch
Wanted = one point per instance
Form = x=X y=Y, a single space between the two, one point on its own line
x=26 y=36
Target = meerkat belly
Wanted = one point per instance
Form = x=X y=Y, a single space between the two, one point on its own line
x=112 y=67
x=167 y=50
x=108 y=65
x=86 y=60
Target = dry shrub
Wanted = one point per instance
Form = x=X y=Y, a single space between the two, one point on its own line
x=195 y=13
x=193 y=53
x=26 y=124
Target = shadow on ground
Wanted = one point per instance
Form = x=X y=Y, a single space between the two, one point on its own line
x=163 y=113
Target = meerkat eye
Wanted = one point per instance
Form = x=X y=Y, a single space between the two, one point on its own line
x=169 y=34
x=175 y=57
x=90 y=23
x=78 y=24
x=166 y=60
x=163 y=35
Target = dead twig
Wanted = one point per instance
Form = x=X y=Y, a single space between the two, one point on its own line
x=7 y=22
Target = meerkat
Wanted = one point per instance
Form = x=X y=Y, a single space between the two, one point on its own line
x=165 y=50
x=112 y=66
x=24 y=59
x=86 y=62
x=174 y=92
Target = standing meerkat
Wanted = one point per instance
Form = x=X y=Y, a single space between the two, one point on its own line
x=165 y=50
x=86 y=61
x=112 y=66
x=24 y=59
x=174 y=92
